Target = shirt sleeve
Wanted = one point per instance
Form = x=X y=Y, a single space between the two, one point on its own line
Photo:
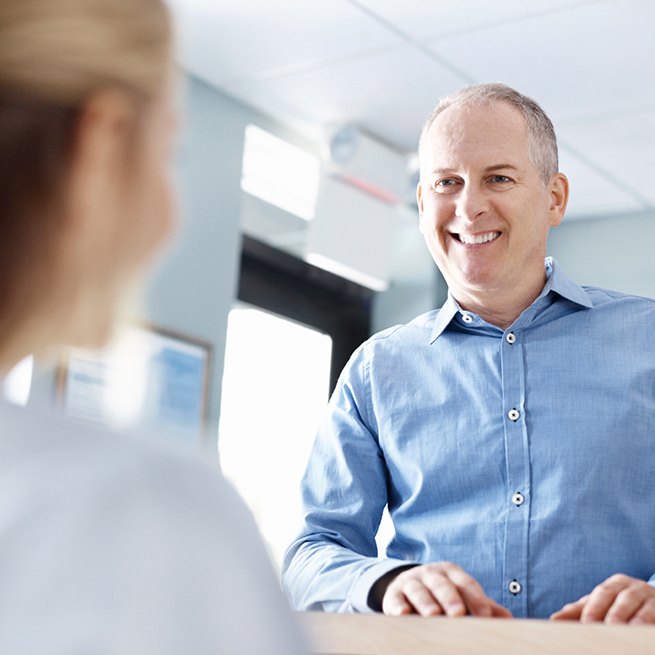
x=333 y=563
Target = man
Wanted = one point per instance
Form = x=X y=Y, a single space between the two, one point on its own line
x=511 y=432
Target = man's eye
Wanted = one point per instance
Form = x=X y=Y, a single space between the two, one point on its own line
x=500 y=179
x=444 y=184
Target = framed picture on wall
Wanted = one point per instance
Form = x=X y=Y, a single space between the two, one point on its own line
x=149 y=378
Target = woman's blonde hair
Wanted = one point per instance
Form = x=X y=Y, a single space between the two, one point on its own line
x=54 y=56
x=63 y=50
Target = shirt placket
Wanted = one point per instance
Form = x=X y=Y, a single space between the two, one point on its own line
x=515 y=556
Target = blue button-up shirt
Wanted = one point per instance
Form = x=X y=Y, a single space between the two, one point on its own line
x=526 y=456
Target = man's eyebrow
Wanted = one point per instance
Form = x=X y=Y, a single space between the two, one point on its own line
x=487 y=169
x=496 y=167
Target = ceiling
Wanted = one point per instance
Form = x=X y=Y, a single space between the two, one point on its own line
x=383 y=64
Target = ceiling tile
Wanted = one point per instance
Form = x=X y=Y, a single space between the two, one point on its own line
x=591 y=64
x=389 y=94
x=222 y=41
x=623 y=146
x=588 y=60
x=422 y=19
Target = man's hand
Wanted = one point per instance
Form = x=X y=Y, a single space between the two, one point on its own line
x=439 y=588
x=620 y=599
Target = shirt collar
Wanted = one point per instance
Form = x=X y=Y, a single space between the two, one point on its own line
x=564 y=286
x=557 y=282
x=444 y=316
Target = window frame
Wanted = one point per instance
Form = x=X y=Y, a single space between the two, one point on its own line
x=279 y=282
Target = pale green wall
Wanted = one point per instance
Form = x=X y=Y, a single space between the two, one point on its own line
x=616 y=252
x=193 y=286
x=193 y=289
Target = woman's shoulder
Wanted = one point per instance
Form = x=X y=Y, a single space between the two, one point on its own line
x=56 y=464
x=138 y=523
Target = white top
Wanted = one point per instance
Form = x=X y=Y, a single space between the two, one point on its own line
x=109 y=544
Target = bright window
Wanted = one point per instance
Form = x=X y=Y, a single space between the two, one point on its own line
x=275 y=390
x=280 y=173
x=16 y=385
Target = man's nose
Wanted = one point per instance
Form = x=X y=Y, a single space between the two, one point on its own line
x=472 y=203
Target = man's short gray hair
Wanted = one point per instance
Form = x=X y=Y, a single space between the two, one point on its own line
x=542 y=141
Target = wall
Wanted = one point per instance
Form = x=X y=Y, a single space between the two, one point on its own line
x=193 y=286
x=613 y=252
x=417 y=285
x=196 y=286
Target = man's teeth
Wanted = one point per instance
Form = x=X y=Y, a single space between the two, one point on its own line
x=478 y=238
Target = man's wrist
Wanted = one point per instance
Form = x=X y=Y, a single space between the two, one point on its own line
x=379 y=588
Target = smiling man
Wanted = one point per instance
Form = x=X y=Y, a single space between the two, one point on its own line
x=486 y=206
x=511 y=432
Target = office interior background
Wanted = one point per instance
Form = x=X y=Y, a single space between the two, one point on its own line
x=297 y=170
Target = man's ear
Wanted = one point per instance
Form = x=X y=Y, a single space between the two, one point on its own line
x=99 y=154
x=558 y=189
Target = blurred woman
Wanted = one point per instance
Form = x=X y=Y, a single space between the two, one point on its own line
x=107 y=545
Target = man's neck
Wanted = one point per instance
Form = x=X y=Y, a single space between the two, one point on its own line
x=497 y=308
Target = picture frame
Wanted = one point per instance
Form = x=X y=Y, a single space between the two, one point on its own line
x=150 y=378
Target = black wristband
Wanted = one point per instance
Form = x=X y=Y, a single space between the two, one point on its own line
x=377 y=591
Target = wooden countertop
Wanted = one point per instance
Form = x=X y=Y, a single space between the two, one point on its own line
x=375 y=634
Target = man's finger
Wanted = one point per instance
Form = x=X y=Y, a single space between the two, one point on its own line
x=498 y=611
x=646 y=615
x=602 y=598
x=423 y=599
x=446 y=594
x=475 y=600
x=395 y=603
x=627 y=603
x=570 y=611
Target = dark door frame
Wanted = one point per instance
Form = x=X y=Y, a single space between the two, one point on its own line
x=288 y=286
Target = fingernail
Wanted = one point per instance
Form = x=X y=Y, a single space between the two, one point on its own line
x=455 y=608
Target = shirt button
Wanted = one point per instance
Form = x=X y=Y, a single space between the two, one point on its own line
x=513 y=415
x=510 y=337
x=467 y=318
x=514 y=587
x=518 y=498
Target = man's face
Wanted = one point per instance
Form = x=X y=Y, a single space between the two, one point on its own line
x=484 y=210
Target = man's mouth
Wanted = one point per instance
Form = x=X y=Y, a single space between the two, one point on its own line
x=475 y=239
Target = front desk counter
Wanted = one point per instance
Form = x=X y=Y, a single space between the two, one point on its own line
x=375 y=634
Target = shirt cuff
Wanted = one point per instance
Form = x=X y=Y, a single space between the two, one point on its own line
x=652 y=580
x=362 y=588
